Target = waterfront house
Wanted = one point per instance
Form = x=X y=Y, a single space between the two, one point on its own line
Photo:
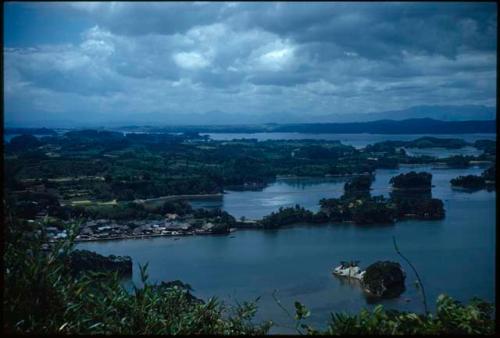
x=103 y=228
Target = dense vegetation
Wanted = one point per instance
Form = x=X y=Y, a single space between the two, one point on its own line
x=434 y=142
x=412 y=180
x=97 y=174
x=384 y=279
x=131 y=210
x=104 y=165
x=417 y=205
x=41 y=295
x=409 y=126
x=28 y=205
x=470 y=182
x=286 y=216
x=84 y=260
x=487 y=179
x=357 y=205
x=93 y=174
x=358 y=185
x=490 y=174
x=488 y=146
x=91 y=165
x=222 y=220
x=422 y=142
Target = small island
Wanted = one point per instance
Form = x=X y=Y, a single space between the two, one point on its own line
x=84 y=260
x=357 y=206
x=359 y=185
x=412 y=181
x=487 y=180
x=382 y=279
x=471 y=182
x=435 y=142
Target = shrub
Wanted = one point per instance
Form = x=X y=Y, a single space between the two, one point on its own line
x=41 y=295
x=412 y=180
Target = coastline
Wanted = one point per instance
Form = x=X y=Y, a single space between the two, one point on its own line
x=191 y=233
x=177 y=197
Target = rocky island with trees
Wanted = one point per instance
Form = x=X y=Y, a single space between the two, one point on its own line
x=384 y=279
x=410 y=199
x=487 y=180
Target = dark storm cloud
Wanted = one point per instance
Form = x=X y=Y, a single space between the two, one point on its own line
x=237 y=57
x=377 y=30
x=155 y=17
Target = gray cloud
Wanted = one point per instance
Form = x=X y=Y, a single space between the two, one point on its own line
x=319 y=58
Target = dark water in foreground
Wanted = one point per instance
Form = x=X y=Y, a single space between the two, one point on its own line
x=454 y=256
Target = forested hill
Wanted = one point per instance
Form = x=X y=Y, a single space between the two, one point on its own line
x=410 y=126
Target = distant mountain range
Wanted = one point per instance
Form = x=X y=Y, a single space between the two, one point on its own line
x=410 y=126
x=444 y=113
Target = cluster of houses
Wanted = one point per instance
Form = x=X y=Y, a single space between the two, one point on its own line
x=104 y=229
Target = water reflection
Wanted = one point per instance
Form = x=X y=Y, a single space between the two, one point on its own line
x=281 y=193
x=307 y=182
x=351 y=283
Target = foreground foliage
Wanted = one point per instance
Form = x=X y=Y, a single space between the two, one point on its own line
x=451 y=318
x=41 y=295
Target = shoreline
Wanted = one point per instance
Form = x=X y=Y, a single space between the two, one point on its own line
x=79 y=240
x=176 y=197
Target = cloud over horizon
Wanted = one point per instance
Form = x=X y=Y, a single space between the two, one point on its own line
x=115 y=60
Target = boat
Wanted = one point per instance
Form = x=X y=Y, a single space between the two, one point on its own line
x=349 y=270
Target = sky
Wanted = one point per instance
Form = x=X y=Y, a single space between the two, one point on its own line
x=124 y=61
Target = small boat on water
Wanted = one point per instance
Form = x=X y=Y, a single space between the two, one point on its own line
x=349 y=270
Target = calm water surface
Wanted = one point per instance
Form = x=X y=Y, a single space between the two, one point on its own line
x=453 y=256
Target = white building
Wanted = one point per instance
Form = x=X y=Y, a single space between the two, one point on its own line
x=349 y=271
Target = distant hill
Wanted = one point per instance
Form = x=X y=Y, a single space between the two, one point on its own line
x=410 y=126
x=219 y=117
x=445 y=113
